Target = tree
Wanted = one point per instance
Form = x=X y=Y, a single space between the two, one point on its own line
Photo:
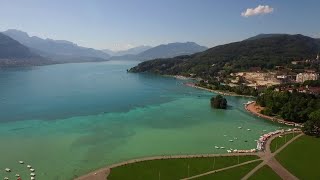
x=219 y=102
x=312 y=126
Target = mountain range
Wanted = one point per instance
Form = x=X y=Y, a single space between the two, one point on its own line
x=13 y=53
x=264 y=51
x=62 y=51
x=165 y=51
x=57 y=50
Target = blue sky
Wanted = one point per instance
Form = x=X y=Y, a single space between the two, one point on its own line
x=117 y=24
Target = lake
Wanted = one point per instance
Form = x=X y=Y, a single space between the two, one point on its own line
x=68 y=119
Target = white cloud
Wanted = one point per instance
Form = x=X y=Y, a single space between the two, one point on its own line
x=257 y=11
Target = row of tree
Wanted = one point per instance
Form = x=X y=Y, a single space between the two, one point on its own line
x=241 y=89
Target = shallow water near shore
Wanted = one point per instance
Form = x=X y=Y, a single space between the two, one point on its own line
x=66 y=120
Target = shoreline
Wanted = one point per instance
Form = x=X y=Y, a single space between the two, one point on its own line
x=254 y=109
x=217 y=91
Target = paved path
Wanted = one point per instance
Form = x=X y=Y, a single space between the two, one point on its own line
x=268 y=159
x=222 y=169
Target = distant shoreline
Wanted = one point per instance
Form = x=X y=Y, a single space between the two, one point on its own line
x=217 y=91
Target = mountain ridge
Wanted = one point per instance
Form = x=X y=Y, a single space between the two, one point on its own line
x=13 y=53
x=165 y=51
x=130 y=51
x=57 y=49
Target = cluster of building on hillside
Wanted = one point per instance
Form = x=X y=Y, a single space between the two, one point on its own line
x=259 y=79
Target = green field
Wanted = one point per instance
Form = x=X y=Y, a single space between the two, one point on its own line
x=234 y=173
x=278 y=142
x=173 y=168
x=302 y=157
x=265 y=173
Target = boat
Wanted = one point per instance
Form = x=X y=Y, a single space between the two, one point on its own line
x=29 y=166
x=240 y=127
x=224 y=135
x=229 y=151
x=32 y=174
x=248 y=129
x=32 y=170
x=222 y=147
x=216 y=147
x=6 y=178
x=17 y=175
x=21 y=162
x=7 y=170
x=33 y=178
x=230 y=140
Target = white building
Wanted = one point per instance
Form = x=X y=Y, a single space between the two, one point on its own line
x=302 y=77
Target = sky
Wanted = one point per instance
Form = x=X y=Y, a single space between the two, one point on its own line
x=121 y=24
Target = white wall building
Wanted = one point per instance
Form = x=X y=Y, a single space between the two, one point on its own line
x=302 y=77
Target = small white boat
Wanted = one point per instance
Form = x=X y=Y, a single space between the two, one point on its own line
x=264 y=130
x=17 y=175
x=21 y=162
x=225 y=135
x=32 y=178
x=32 y=174
x=248 y=129
x=6 y=178
x=230 y=140
x=240 y=127
x=229 y=151
x=216 y=147
x=222 y=147
x=29 y=166
x=32 y=170
x=7 y=170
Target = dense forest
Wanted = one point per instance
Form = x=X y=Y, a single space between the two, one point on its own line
x=295 y=107
x=239 y=56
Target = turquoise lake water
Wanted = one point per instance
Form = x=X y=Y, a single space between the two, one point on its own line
x=66 y=120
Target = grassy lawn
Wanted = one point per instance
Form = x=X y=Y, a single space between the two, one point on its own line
x=265 y=173
x=278 y=142
x=302 y=157
x=173 y=168
x=234 y=173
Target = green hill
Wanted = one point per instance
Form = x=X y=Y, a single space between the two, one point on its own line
x=266 y=53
